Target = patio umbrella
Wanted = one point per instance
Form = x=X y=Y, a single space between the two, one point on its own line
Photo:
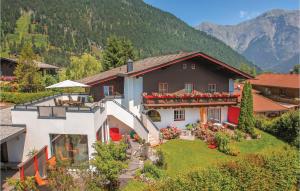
x=68 y=84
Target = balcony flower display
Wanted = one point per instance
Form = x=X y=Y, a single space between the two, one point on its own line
x=189 y=95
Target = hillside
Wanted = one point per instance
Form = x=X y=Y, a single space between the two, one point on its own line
x=270 y=40
x=75 y=26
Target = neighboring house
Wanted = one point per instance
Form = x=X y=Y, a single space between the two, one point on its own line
x=284 y=88
x=9 y=65
x=263 y=105
x=143 y=96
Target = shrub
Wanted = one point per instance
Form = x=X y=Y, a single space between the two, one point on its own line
x=27 y=184
x=233 y=150
x=152 y=171
x=238 y=135
x=285 y=127
x=108 y=162
x=222 y=140
x=276 y=171
x=161 y=162
x=170 y=133
x=19 y=98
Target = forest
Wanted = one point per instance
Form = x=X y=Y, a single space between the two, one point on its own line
x=61 y=29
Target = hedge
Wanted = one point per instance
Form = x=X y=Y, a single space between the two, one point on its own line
x=275 y=171
x=19 y=98
x=285 y=127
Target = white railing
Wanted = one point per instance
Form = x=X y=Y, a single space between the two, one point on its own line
x=123 y=114
x=153 y=129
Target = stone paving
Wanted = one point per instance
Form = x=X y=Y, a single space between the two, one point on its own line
x=5 y=116
x=134 y=164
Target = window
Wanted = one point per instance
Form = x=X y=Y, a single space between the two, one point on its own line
x=154 y=115
x=184 y=66
x=179 y=115
x=188 y=87
x=193 y=66
x=70 y=147
x=212 y=87
x=163 y=87
x=214 y=114
x=108 y=90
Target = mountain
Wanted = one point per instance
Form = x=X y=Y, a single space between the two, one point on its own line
x=270 y=40
x=59 y=29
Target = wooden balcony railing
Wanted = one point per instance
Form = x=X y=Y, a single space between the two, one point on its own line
x=189 y=99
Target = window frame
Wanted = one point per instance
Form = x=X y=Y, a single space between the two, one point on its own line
x=193 y=66
x=212 y=90
x=188 y=83
x=216 y=112
x=184 y=66
x=163 y=87
x=110 y=89
x=179 y=114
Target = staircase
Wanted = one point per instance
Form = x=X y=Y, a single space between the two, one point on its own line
x=145 y=128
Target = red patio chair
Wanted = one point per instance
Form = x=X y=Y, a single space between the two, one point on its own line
x=115 y=134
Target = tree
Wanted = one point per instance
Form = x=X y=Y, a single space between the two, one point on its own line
x=246 y=118
x=27 y=72
x=296 y=69
x=83 y=66
x=117 y=52
x=246 y=68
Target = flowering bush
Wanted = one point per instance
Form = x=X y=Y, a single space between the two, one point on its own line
x=189 y=95
x=170 y=133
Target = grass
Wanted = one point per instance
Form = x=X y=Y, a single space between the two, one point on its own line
x=183 y=156
x=135 y=185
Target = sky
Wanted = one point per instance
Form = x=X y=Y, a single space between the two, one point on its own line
x=225 y=12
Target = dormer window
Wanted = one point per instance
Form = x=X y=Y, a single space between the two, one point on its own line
x=184 y=66
x=193 y=66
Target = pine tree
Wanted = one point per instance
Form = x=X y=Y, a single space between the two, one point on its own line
x=117 y=52
x=27 y=72
x=246 y=118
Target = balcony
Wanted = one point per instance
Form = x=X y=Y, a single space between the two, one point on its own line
x=195 y=99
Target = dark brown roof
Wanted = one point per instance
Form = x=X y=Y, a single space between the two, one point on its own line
x=143 y=66
x=277 y=80
x=39 y=64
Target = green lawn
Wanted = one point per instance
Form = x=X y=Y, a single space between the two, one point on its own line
x=183 y=156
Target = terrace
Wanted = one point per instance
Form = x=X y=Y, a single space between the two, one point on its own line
x=194 y=99
x=56 y=106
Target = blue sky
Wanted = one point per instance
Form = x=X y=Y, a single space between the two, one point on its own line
x=223 y=12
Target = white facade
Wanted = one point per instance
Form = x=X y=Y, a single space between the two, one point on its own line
x=192 y=115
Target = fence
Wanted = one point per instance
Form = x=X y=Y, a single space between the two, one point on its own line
x=36 y=163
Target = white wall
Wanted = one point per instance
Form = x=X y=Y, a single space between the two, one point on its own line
x=192 y=115
x=15 y=148
x=38 y=130
x=167 y=117
x=133 y=89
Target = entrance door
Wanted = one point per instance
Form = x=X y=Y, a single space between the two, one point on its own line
x=4 y=154
x=203 y=115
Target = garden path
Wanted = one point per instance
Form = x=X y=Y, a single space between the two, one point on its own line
x=134 y=164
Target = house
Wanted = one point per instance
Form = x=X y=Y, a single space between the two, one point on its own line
x=9 y=65
x=143 y=96
x=261 y=104
x=283 y=88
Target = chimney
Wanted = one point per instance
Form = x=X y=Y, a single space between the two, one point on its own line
x=129 y=65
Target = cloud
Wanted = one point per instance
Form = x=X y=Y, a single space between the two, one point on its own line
x=248 y=15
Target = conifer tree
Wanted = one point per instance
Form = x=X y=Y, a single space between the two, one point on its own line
x=117 y=52
x=27 y=72
x=246 y=118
